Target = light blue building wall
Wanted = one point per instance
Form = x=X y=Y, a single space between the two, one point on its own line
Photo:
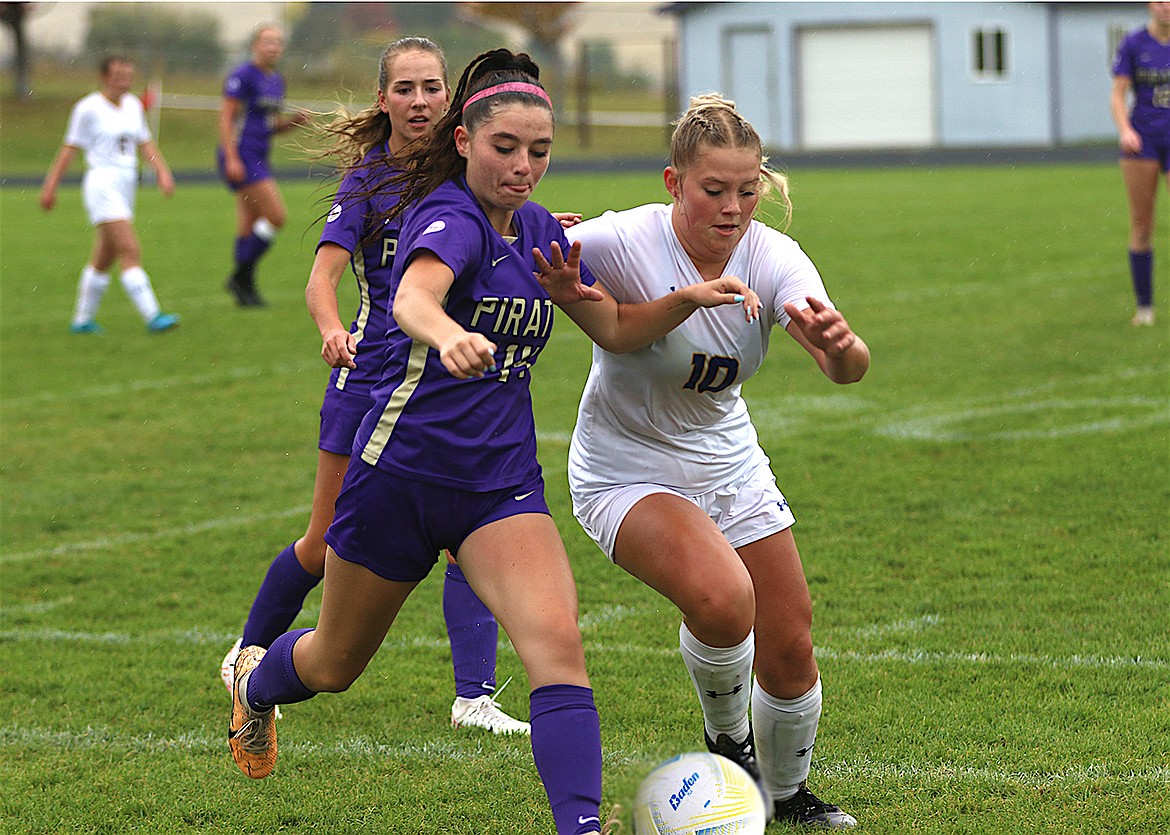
x=1051 y=87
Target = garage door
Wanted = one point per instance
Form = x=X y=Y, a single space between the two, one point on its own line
x=867 y=87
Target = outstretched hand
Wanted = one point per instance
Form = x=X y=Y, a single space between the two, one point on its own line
x=824 y=327
x=725 y=290
x=561 y=277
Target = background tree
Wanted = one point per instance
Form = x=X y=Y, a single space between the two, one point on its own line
x=156 y=36
x=13 y=15
x=546 y=24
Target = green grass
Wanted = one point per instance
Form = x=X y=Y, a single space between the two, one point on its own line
x=983 y=522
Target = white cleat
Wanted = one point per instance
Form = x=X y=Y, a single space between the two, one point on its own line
x=1144 y=317
x=227 y=670
x=227 y=674
x=485 y=713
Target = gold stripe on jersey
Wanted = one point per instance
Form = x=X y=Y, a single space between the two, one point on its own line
x=389 y=419
x=359 y=270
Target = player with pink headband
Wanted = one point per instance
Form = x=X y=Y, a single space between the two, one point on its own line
x=446 y=458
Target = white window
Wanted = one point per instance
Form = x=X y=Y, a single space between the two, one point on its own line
x=1117 y=33
x=989 y=53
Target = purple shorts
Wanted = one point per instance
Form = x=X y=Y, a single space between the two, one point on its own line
x=255 y=169
x=1155 y=146
x=396 y=526
x=341 y=415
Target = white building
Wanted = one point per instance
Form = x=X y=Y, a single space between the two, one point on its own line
x=814 y=76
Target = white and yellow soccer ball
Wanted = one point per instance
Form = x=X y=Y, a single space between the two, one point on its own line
x=699 y=794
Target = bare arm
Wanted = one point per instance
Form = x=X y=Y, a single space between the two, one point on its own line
x=149 y=151
x=233 y=166
x=620 y=328
x=338 y=346
x=57 y=170
x=418 y=309
x=841 y=354
x=291 y=120
x=1128 y=138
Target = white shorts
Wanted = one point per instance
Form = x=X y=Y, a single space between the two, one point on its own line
x=747 y=509
x=108 y=194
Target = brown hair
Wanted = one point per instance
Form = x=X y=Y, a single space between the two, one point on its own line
x=354 y=135
x=437 y=160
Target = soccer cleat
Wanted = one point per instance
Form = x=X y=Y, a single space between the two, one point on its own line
x=742 y=754
x=86 y=327
x=484 y=712
x=1143 y=318
x=252 y=733
x=227 y=670
x=806 y=809
x=235 y=286
x=163 y=322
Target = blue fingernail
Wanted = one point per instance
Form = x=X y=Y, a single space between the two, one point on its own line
x=739 y=298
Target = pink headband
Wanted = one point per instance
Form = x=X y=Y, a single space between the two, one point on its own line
x=509 y=87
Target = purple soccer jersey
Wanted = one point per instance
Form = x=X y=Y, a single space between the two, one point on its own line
x=356 y=222
x=476 y=434
x=1147 y=63
x=261 y=96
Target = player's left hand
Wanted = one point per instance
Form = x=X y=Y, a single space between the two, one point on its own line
x=166 y=183
x=824 y=327
x=567 y=219
x=561 y=277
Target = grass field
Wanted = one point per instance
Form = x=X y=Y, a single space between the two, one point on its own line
x=983 y=522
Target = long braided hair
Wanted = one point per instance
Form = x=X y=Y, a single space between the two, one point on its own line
x=426 y=168
x=711 y=121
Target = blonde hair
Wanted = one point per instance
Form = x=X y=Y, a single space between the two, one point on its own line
x=711 y=121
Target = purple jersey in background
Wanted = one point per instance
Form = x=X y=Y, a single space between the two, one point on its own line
x=1147 y=63
x=356 y=222
x=261 y=95
x=476 y=434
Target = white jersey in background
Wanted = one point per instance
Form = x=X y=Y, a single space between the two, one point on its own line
x=108 y=133
x=672 y=413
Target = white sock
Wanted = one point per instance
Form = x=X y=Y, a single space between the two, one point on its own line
x=90 y=290
x=786 y=730
x=723 y=680
x=136 y=283
x=264 y=230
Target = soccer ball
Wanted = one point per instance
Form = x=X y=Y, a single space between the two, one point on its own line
x=699 y=794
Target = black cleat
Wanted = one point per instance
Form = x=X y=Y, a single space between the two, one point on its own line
x=742 y=754
x=806 y=809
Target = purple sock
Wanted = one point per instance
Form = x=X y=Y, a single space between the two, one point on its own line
x=275 y=680
x=1141 y=270
x=279 y=600
x=250 y=247
x=566 y=744
x=473 y=632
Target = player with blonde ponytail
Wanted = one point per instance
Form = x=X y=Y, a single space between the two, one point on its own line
x=665 y=468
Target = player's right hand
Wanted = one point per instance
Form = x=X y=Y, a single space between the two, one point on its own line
x=468 y=355
x=234 y=169
x=339 y=348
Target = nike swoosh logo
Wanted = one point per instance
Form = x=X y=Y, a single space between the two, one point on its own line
x=523 y=496
x=498 y=260
x=581 y=819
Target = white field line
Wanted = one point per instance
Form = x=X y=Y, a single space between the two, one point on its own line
x=17 y=737
x=178 y=383
x=106 y=543
x=201 y=637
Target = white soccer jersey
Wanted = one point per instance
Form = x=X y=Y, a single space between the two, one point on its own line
x=672 y=413
x=109 y=134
